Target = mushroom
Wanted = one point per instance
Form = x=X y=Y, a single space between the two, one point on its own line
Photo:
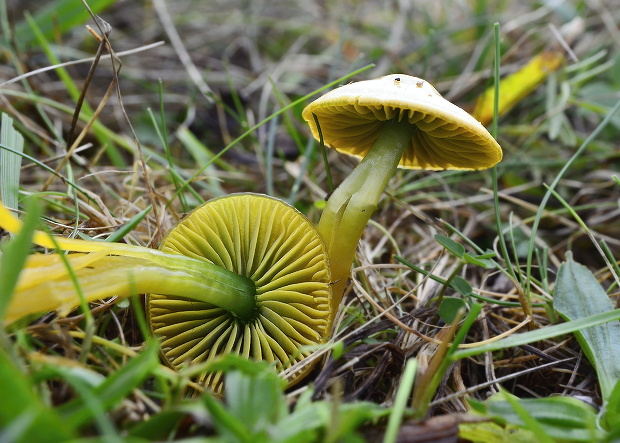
x=280 y=251
x=245 y=274
x=393 y=121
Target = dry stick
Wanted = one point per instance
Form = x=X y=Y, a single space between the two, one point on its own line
x=77 y=140
x=115 y=59
x=76 y=112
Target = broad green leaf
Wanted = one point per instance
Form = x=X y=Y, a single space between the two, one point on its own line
x=489 y=432
x=257 y=401
x=487 y=254
x=23 y=417
x=449 y=307
x=611 y=415
x=484 y=263
x=339 y=422
x=254 y=400
x=256 y=411
x=529 y=422
x=578 y=295
x=461 y=285
x=564 y=418
x=452 y=246
x=226 y=423
x=10 y=162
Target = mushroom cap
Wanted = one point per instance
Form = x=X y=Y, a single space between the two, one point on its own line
x=275 y=246
x=352 y=115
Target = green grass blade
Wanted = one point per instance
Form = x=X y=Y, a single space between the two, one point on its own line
x=269 y=155
x=305 y=164
x=555 y=182
x=58 y=16
x=540 y=334
x=61 y=71
x=202 y=156
x=578 y=294
x=10 y=162
x=14 y=256
x=456 y=284
x=129 y=226
x=498 y=220
x=162 y=134
x=15 y=60
x=328 y=174
x=98 y=128
x=116 y=387
x=24 y=417
x=83 y=386
x=400 y=403
x=42 y=165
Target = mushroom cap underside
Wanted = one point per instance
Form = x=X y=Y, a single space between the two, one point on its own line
x=279 y=249
x=351 y=118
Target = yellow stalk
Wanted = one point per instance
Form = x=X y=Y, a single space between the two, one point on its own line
x=105 y=270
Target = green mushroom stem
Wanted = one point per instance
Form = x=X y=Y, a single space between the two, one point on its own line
x=351 y=205
x=393 y=121
x=46 y=279
x=112 y=269
x=199 y=281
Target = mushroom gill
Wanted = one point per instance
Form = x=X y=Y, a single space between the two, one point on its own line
x=276 y=247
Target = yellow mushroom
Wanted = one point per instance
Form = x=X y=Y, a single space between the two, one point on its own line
x=393 y=121
x=274 y=246
x=245 y=274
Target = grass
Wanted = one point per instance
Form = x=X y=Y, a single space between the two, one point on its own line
x=529 y=250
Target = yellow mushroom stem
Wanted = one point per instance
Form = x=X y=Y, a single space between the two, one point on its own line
x=352 y=204
x=111 y=269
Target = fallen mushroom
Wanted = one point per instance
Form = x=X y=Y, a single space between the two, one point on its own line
x=393 y=121
x=279 y=250
x=244 y=274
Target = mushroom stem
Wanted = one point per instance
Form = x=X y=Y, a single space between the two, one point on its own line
x=352 y=204
x=114 y=269
x=45 y=278
x=201 y=281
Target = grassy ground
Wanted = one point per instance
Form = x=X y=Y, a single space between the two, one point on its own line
x=213 y=88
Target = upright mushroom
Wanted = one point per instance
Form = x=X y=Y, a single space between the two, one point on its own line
x=393 y=121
